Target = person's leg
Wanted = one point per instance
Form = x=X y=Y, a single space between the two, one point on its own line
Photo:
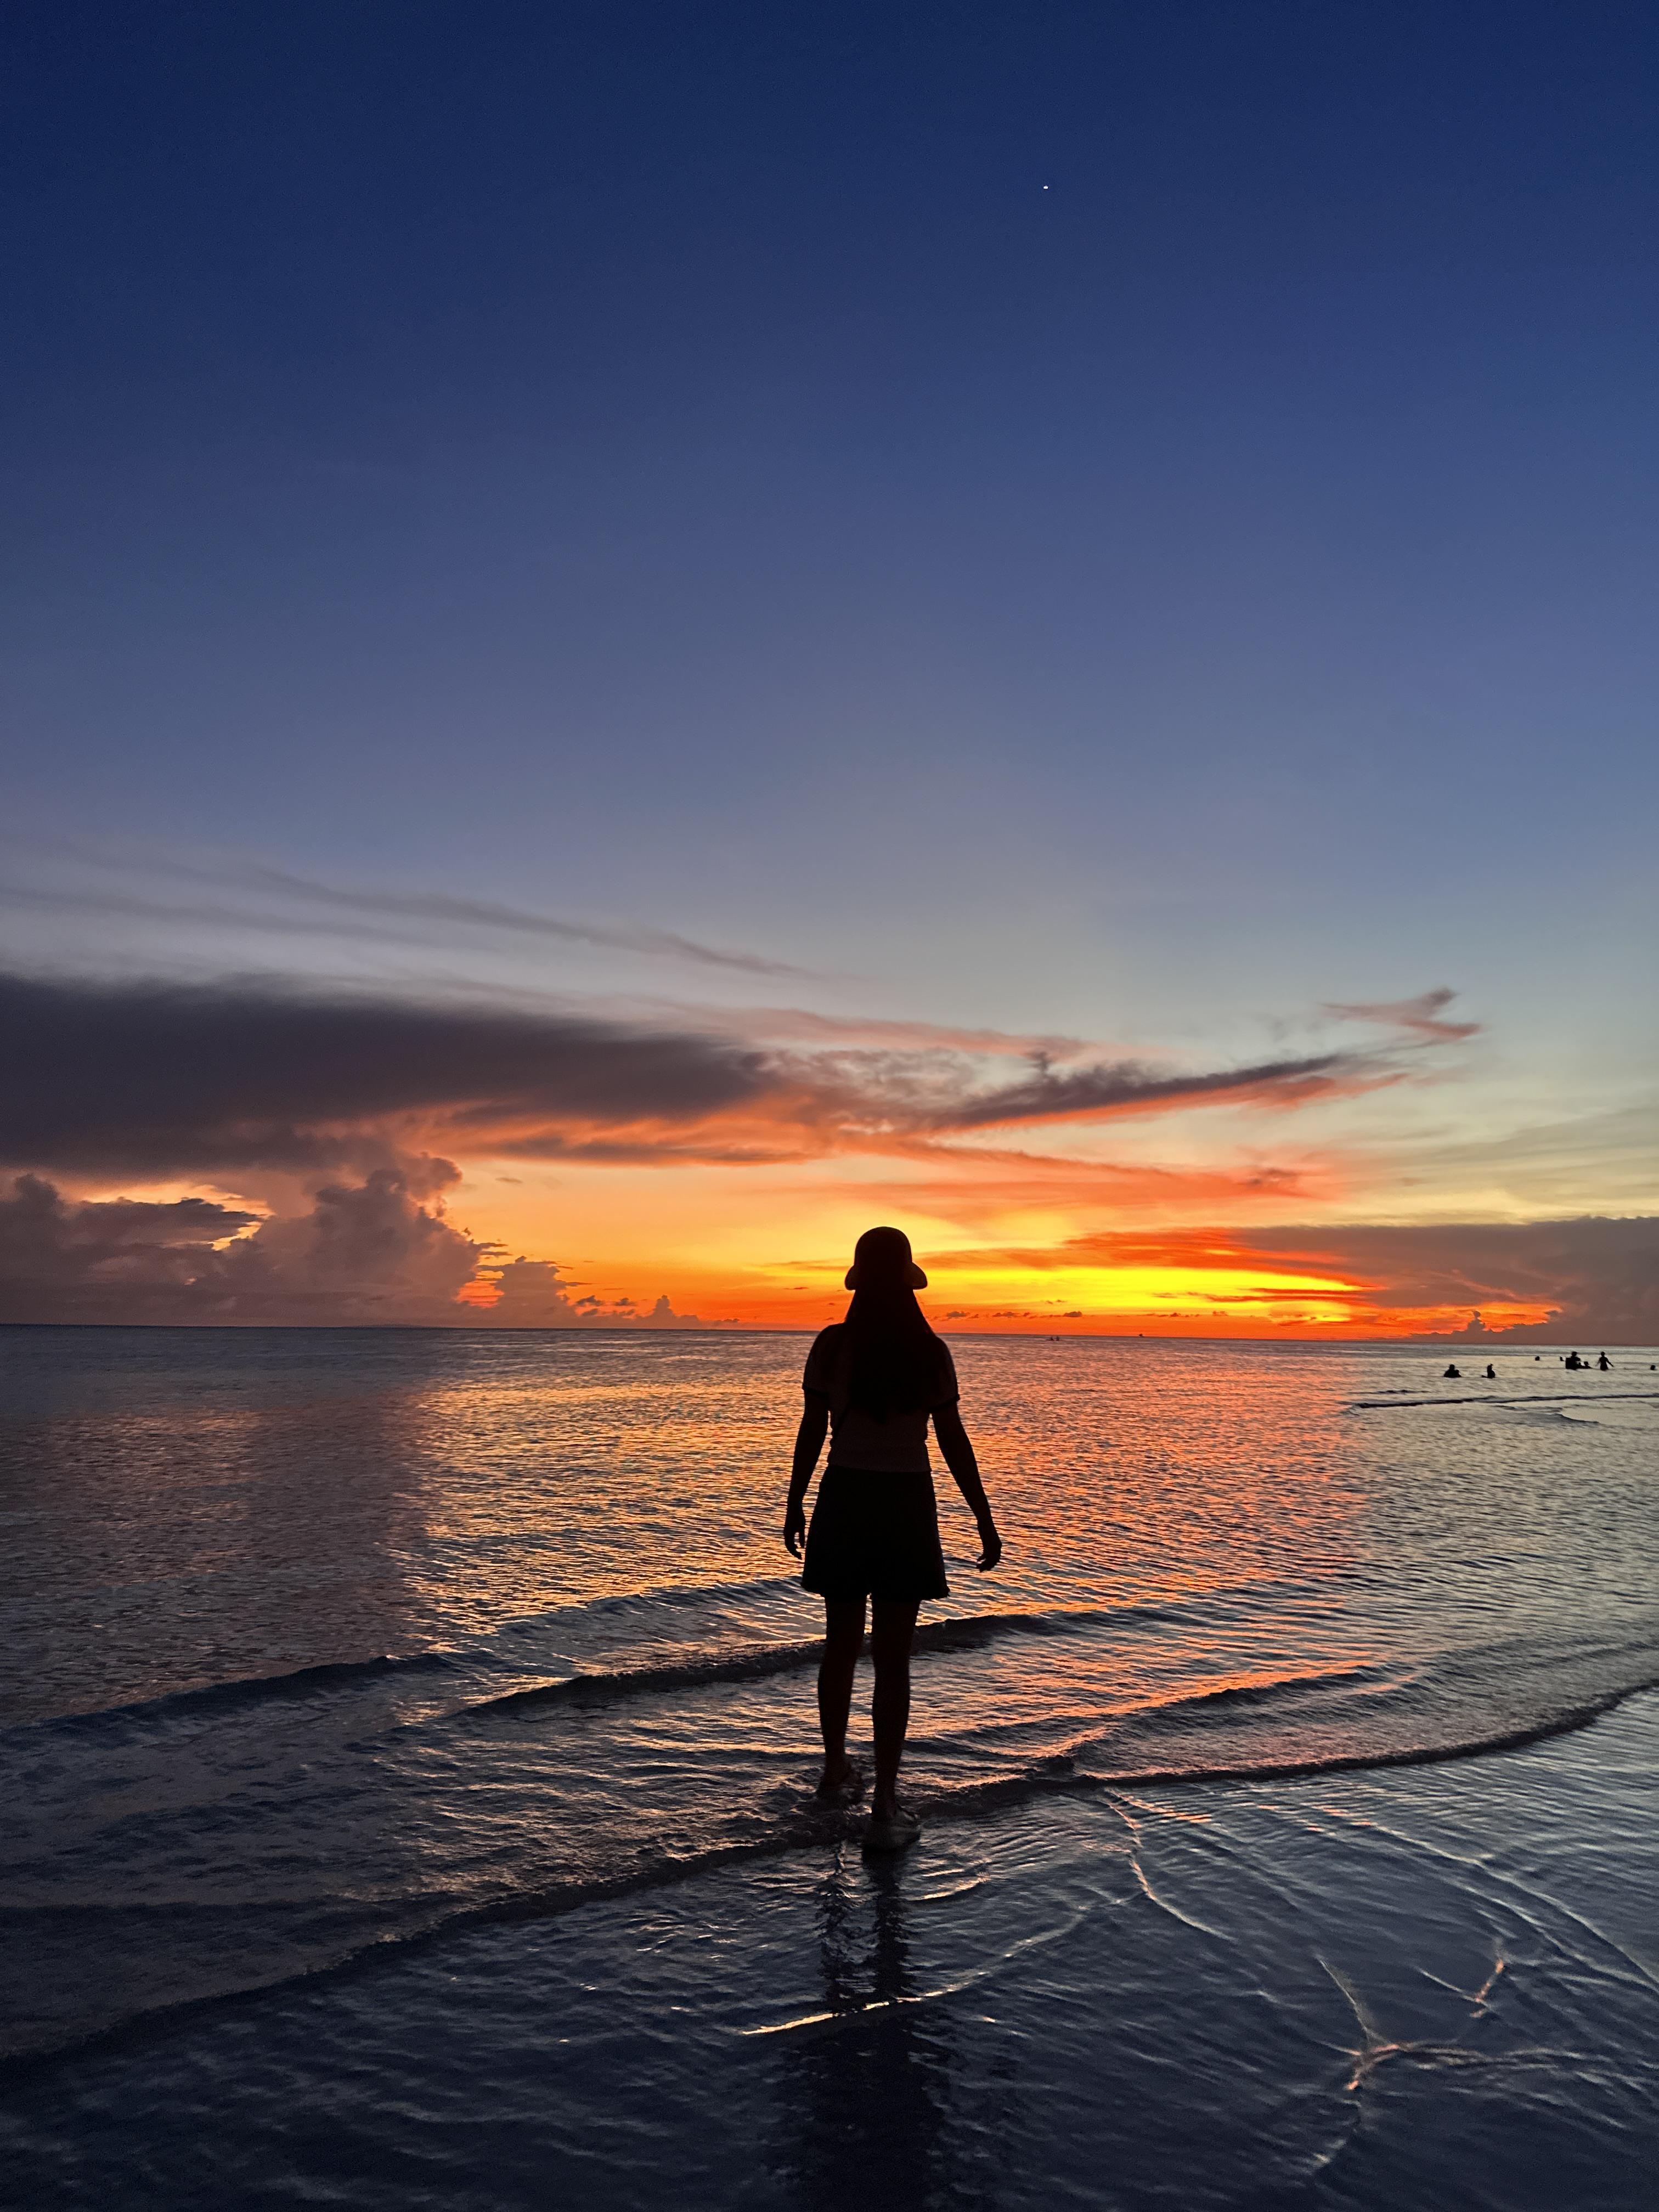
x=843 y=1640
x=893 y=1623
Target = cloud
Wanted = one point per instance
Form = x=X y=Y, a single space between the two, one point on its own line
x=975 y=1186
x=368 y=1252
x=364 y=1253
x=1420 y=1016
x=162 y=1079
x=535 y=1294
x=493 y=914
x=356 y=912
x=778 y=1024
x=1127 y=1086
x=362 y=1101
x=1597 y=1277
x=1594 y=1277
x=1559 y=1169
x=59 y=1260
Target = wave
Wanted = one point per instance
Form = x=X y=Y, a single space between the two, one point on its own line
x=253 y=1690
x=756 y=1663
x=751 y=1663
x=1491 y=1398
x=1061 y=1771
x=333 y=1676
x=1563 y=1721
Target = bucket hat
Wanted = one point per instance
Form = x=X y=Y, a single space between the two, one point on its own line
x=882 y=1257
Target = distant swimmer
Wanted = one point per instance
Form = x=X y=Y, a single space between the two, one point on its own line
x=1605 y=1364
x=1453 y=1374
x=1492 y=1372
x=1574 y=1361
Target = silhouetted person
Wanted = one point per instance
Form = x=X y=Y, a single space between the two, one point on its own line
x=874 y=1381
x=1574 y=1361
x=1605 y=1364
x=1453 y=1374
x=1492 y=1372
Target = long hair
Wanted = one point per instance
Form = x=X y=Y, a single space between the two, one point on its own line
x=894 y=1355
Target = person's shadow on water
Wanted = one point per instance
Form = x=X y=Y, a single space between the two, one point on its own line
x=866 y=2089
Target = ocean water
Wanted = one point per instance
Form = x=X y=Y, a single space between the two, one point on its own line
x=408 y=1742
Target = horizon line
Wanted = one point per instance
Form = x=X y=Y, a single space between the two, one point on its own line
x=714 y=1329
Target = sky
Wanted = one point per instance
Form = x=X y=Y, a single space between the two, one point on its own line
x=633 y=637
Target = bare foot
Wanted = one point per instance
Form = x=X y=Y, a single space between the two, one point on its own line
x=842 y=1781
x=891 y=1828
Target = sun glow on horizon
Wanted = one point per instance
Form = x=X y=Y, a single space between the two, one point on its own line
x=1249 y=1298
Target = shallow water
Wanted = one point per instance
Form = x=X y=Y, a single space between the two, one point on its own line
x=435 y=1711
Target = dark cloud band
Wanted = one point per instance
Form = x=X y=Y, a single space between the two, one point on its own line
x=159 y=1079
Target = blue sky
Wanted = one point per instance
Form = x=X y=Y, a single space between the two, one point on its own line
x=1134 y=522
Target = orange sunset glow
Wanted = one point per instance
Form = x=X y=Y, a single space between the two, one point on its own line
x=1233 y=1295
x=1177 y=1281
x=508 y=1173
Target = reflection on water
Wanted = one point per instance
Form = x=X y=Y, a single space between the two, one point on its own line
x=865 y=2093
x=166 y=1547
x=191 y=1504
x=188 y=1505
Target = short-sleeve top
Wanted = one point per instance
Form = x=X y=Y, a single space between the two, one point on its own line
x=898 y=1445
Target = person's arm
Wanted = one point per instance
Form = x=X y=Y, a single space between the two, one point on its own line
x=964 y=1469
x=809 y=1442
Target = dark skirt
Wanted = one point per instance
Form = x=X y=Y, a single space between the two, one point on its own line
x=874 y=1535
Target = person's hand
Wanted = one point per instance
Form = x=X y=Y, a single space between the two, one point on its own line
x=990 y=1546
x=795 y=1527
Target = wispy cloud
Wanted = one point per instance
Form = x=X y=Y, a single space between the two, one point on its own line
x=1420 y=1016
x=264 y=898
x=1050 y=1094
x=794 y=1024
x=974 y=1186
x=492 y=914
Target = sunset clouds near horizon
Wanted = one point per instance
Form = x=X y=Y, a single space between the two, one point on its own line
x=310 y=1155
